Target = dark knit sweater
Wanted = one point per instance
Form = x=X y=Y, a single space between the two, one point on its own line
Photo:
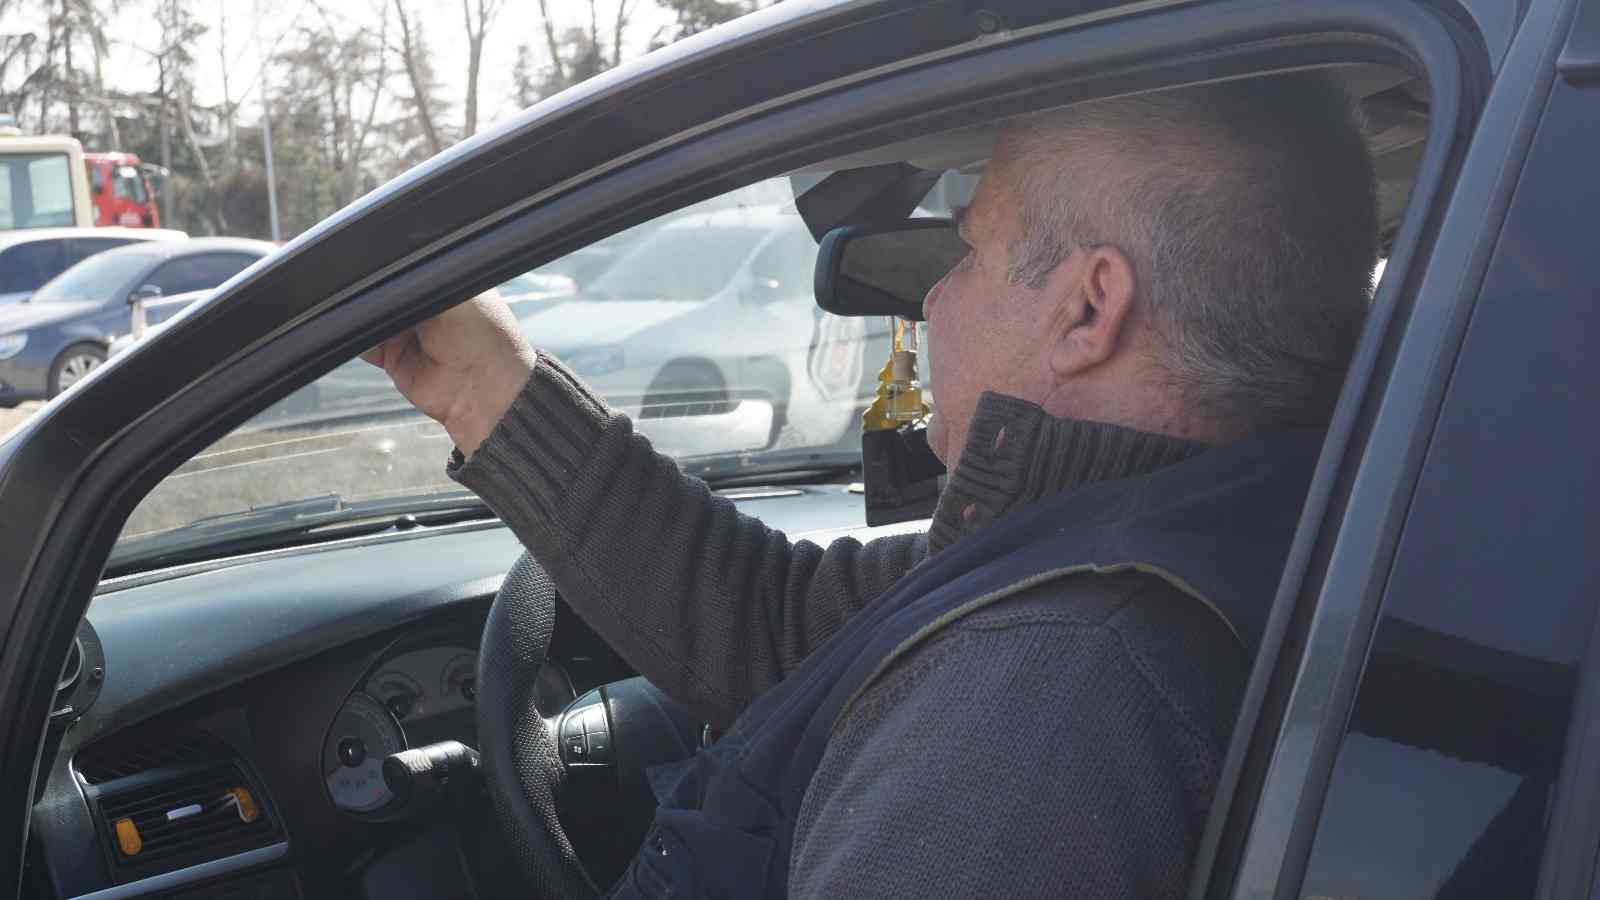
x=1063 y=742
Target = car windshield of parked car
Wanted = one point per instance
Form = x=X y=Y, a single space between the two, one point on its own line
x=692 y=261
x=739 y=383
x=94 y=280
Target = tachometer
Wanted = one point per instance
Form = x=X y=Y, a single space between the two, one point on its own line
x=363 y=733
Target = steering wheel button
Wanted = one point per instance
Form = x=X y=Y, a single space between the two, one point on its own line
x=599 y=748
x=594 y=719
x=572 y=725
x=576 y=749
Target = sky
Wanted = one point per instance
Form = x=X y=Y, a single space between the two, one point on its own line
x=253 y=28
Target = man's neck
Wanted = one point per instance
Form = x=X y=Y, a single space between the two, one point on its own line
x=1016 y=453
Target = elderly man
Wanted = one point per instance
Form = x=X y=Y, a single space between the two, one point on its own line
x=1035 y=697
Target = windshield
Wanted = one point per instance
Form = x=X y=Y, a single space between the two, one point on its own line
x=751 y=379
x=130 y=184
x=35 y=191
x=678 y=263
x=96 y=279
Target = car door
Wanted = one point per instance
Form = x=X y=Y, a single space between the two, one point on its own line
x=1424 y=744
x=648 y=139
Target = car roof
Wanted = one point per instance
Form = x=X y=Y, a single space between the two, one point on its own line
x=192 y=246
x=28 y=235
x=1394 y=105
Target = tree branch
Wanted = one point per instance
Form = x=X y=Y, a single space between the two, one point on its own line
x=550 y=41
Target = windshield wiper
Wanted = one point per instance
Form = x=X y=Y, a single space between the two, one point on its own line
x=311 y=519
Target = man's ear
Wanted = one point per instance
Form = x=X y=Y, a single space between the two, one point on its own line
x=1096 y=297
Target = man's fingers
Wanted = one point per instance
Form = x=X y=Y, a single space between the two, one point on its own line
x=389 y=353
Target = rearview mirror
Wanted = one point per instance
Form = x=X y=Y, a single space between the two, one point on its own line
x=144 y=292
x=875 y=270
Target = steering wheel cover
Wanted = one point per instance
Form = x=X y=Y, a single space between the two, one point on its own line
x=521 y=760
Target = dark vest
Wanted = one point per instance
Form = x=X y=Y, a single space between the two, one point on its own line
x=1216 y=526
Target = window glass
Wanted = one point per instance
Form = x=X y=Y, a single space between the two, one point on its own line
x=658 y=316
x=26 y=266
x=953 y=189
x=97 y=179
x=130 y=185
x=683 y=261
x=80 y=249
x=787 y=264
x=98 y=279
x=52 y=190
x=197 y=273
x=35 y=191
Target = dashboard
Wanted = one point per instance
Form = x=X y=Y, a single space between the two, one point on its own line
x=224 y=733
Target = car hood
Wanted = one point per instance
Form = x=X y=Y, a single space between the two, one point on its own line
x=15 y=297
x=23 y=316
x=592 y=323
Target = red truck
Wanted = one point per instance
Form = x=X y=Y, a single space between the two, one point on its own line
x=120 y=191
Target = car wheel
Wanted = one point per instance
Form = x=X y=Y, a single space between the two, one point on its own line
x=73 y=364
x=686 y=387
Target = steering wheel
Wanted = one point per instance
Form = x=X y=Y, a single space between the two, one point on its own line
x=519 y=749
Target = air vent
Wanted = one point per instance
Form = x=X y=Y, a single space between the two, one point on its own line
x=122 y=757
x=184 y=820
x=165 y=801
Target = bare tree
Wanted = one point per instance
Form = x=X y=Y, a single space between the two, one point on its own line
x=477 y=30
x=522 y=84
x=186 y=125
x=551 y=44
x=326 y=71
x=15 y=49
x=624 y=13
x=179 y=32
x=230 y=158
x=414 y=55
x=68 y=24
x=695 y=16
x=594 y=26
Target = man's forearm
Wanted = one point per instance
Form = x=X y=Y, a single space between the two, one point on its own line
x=710 y=604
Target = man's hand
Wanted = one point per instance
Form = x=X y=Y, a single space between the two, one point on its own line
x=462 y=368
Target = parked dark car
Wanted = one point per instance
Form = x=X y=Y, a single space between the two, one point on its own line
x=64 y=330
x=33 y=256
x=213 y=637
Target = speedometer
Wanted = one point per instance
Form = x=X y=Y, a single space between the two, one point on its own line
x=363 y=733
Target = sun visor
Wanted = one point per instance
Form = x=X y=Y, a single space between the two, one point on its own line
x=874 y=195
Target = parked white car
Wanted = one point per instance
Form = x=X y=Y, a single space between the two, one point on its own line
x=714 y=308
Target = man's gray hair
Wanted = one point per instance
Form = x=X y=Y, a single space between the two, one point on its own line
x=1249 y=211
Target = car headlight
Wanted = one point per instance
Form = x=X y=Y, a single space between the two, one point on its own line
x=593 y=361
x=12 y=344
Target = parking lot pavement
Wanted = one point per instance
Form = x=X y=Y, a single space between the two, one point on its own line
x=11 y=418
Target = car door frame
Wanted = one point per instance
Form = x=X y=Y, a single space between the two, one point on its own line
x=85 y=461
x=1308 y=696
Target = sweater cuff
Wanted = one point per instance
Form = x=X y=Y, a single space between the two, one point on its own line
x=537 y=447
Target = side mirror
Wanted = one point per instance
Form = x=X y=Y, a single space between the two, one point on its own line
x=875 y=270
x=144 y=292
